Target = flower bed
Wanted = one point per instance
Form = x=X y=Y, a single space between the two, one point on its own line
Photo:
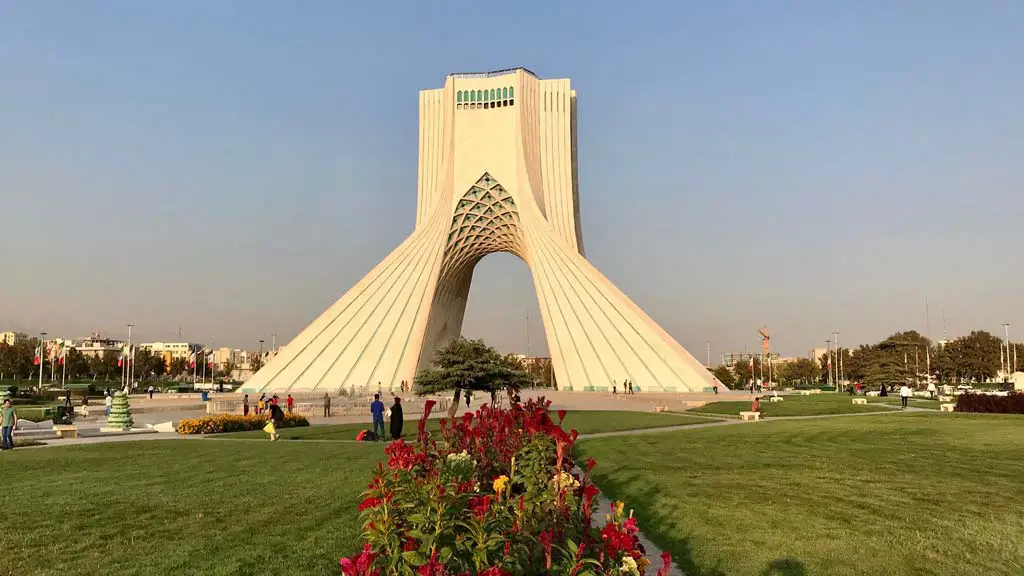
x=497 y=494
x=235 y=423
x=1012 y=403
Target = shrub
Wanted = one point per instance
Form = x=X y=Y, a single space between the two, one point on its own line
x=235 y=423
x=63 y=415
x=1012 y=403
x=497 y=494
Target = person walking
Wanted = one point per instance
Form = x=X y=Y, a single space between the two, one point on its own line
x=904 y=395
x=882 y=391
x=245 y=405
x=108 y=402
x=8 y=422
x=276 y=419
x=377 y=410
x=327 y=405
x=150 y=390
x=932 y=390
x=630 y=382
x=291 y=403
x=261 y=404
x=396 y=419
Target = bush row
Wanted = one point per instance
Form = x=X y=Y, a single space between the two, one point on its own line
x=983 y=403
x=235 y=423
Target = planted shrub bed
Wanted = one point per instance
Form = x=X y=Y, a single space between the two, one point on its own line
x=498 y=493
x=1013 y=403
x=235 y=423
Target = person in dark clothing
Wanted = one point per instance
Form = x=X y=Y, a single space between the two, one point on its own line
x=882 y=391
x=377 y=410
x=67 y=401
x=327 y=405
x=276 y=420
x=245 y=405
x=396 y=419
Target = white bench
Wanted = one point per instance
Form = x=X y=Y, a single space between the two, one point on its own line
x=750 y=416
x=945 y=398
x=66 y=431
x=805 y=392
x=872 y=394
x=775 y=398
x=860 y=400
x=947 y=407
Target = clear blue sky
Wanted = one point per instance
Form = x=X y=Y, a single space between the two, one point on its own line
x=233 y=167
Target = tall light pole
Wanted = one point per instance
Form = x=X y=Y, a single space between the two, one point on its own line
x=839 y=359
x=260 y=356
x=42 y=342
x=128 y=360
x=1006 y=331
x=273 y=342
x=709 y=354
x=828 y=354
x=528 y=350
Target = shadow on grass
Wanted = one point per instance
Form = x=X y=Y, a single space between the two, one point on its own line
x=655 y=525
x=784 y=567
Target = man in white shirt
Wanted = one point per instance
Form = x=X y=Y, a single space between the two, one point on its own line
x=109 y=403
x=905 y=394
x=932 y=389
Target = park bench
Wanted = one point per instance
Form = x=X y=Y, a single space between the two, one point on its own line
x=805 y=392
x=947 y=407
x=755 y=416
x=66 y=431
x=860 y=400
x=945 y=398
x=873 y=393
x=661 y=408
x=775 y=399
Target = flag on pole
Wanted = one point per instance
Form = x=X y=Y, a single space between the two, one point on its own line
x=39 y=355
x=63 y=353
x=121 y=358
x=209 y=358
x=192 y=360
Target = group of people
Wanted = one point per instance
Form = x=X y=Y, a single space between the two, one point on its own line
x=377 y=410
x=264 y=404
x=627 y=387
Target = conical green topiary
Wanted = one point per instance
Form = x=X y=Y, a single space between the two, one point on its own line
x=120 y=412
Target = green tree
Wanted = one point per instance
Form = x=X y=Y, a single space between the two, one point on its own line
x=179 y=367
x=800 y=371
x=978 y=356
x=725 y=376
x=470 y=365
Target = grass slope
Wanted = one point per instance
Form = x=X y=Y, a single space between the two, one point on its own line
x=924 y=494
x=182 y=507
x=795 y=405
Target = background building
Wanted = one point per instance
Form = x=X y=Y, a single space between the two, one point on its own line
x=96 y=346
x=171 y=351
x=10 y=337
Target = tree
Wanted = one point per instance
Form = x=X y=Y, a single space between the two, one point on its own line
x=179 y=366
x=800 y=371
x=470 y=365
x=725 y=376
x=255 y=362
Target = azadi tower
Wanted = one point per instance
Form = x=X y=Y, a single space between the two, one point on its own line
x=497 y=173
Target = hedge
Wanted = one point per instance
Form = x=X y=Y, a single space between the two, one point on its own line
x=985 y=403
x=235 y=423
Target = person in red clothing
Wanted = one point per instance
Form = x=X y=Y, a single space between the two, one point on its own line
x=291 y=403
x=756 y=406
x=274 y=400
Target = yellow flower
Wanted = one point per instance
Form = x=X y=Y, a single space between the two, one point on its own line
x=500 y=483
x=619 y=506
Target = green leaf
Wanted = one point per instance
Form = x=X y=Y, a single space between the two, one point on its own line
x=415 y=557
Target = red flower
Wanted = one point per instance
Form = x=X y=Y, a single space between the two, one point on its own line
x=494 y=571
x=480 y=506
x=545 y=541
x=590 y=465
x=561 y=416
x=410 y=545
x=369 y=503
x=666 y=558
x=360 y=564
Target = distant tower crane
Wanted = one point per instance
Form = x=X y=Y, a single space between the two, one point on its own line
x=766 y=340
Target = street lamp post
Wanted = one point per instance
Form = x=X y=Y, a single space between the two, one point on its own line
x=839 y=358
x=828 y=354
x=42 y=342
x=128 y=361
x=1006 y=332
x=260 y=356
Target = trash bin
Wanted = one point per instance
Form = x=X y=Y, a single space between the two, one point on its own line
x=206 y=396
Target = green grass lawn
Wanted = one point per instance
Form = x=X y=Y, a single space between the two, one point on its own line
x=182 y=507
x=794 y=405
x=929 y=494
x=584 y=422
